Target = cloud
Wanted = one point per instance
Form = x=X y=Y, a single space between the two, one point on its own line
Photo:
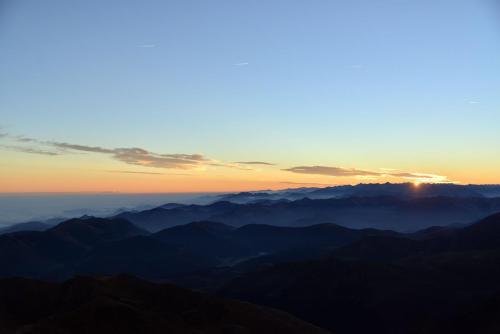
x=423 y=177
x=30 y=150
x=473 y=102
x=255 y=163
x=74 y=147
x=146 y=46
x=244 y=63
x=132 y=172
x=305 y=183
x=129 y=155
x=369 y=175
x=141 y=157
x=145 y=173
x=411 y=175
x=331 y=171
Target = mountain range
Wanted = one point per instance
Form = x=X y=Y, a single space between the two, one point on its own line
x=404 y=214
x=389 y=264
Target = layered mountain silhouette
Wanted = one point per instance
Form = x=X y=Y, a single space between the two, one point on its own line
x=439 y=279
x=125 y=304
x=111 y=246
x=366 y=190
x=28 y=226
x=383 y=212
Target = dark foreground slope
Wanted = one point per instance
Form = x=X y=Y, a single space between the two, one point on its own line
x=126 y=305
x=449 y=283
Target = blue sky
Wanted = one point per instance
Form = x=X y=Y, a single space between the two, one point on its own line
x=364 y=84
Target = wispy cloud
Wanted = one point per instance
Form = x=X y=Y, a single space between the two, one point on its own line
x=136 y=172
x=473 y=102
x=422 y=177
x=129 y=155
x=369 y=175
x=255 y=163
x=331 y=171
x=304 y=183
x=141 y=157
x=243 y=63
x=30 y=150
x=146 y=46
x=75 y=147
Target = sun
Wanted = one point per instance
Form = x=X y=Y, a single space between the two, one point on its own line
x=417 y=184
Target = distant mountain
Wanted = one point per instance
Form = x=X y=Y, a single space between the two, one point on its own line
x=366 y=190
x=402 y=214
x=127 y=305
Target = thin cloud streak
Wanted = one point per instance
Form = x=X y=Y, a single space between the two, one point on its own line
x=255 y=163
x=305 y=183
x=368 y=175
x=129 y=155
x=30 y=150
x=330 y=171
x=136 y=172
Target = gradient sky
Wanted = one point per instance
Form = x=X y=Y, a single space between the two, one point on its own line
x=174 y=96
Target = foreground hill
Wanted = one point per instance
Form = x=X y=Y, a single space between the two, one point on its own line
x=447 y=283
x=127 y=305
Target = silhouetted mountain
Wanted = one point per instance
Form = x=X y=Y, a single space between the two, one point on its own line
x=90 y=231
x=270 y=239
x=29 y=226
x=391 y=284
x=34 y=254
x=226 y=243
x=111 y=246
x=396 y=213
x=256 y=246
x=127 y=305
x=141 y=256
x=42 y=254
x=208 y=238
x=483 y=235
x=359 y=297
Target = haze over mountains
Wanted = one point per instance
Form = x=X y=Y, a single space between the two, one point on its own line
x=400 y=207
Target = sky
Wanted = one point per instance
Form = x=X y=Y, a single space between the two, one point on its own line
x=200 y=96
